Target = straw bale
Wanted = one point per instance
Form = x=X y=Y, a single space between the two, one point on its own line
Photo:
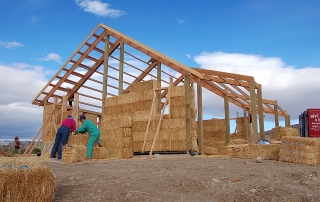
x=177 y=102
x=178 y=145
x=116 y=133
x=23 y=180
x=223 y=150
x=125 y=99
x=123 y=109
x=74 y=153
x=145 y=85
x=142 y=105
x=212 y=141
x=180 y=112
x=141 y=115
x=139 y=136
x=100 y=153
x=238 y=151
x=279 y=132
x=116 y=143
x=236 y=136
x=79 y=139
x=111 y=101
x=299 y=150
x=121 y=153
x=141 y=126
x=177 y=91
x=211 y=151
x=115 y=122
x=238 y=141
x=265 y=151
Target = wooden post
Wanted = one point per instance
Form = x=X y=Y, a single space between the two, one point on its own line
x=159 y=72
x=150 y=116
x=105 y=71
x=227 y=118
x=245 y=122
x=64 y=106
x=276 y=115
x=121 y=68
x=188 y=111
x=287 y=119
x=261 y=115
x=76 y=106
x=200 y=116
x=253 y=111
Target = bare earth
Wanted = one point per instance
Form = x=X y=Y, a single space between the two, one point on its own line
x=185 y=178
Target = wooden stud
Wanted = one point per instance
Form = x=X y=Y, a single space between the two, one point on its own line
x=261 y=115
x=245 y=121
x=149 y=120
x=159 y=72
x=276 y=115
x=188 y=110
x=105 y=70
x=120 y=89
x=253 y=111
x=200 y=116
x=227 y=117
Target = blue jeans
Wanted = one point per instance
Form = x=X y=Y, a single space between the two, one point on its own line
x=61 y=140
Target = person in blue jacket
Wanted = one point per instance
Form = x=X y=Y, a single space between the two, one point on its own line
x=94 y=132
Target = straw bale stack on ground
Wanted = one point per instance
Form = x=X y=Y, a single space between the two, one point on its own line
x=238 y=151
x=78 y=140
x=265 y=151
x=74 y=153
x=300 y=150
x=278 y=132
x=211 y=151
x=214 y=133
x=25 y=181
x=116 y=137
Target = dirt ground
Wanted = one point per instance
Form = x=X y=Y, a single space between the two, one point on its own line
x=185 y=178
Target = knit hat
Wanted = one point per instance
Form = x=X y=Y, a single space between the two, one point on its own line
x=82 y=116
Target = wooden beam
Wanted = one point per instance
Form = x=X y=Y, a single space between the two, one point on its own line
x=200 y=116
x=253 y=112
x=287 y=119
x=225 y=74
x=159 y=72
x=261 y=115
x=227 y=117
x=188 y=111
x=276 y=114
x=120 y=89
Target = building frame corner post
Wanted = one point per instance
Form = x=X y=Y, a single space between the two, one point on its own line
x=200 y=116
x=188 y=111
x=105 y=71
x=261 y=114
x=254 y=111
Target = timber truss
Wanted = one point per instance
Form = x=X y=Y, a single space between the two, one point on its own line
x=107 y=62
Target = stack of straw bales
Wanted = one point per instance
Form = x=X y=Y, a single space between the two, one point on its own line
x=300 y=150
x=252 y=151
x=116 y=137
x=75 y=153
x=211 y=151
x=25 y=181
x=214 y=133
x=278 y=132
x=100 y=153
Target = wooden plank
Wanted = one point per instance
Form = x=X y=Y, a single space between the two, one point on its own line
x=200 y=116
x=149 y=120
x=287 y=120
x=261 y=116
x=227 y=117
x=158 y=128
x=159 y=72
x=253 y=111
x=245 y=125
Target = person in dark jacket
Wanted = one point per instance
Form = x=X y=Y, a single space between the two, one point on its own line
x=68 y=125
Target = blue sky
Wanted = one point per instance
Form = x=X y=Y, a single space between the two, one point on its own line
x=277 y=42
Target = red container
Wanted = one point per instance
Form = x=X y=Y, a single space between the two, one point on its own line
x=309 y=122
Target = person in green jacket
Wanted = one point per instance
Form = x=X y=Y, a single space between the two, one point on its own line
x=94 y=132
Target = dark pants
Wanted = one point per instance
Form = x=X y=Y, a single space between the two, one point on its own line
x=61 y=140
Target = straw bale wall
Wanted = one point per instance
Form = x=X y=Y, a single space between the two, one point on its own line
x=238 y=151
x=278 y=132
x=214 y=133
x=300 y=150
x=25 y=181
x=238 y=141
x=265 y=151
x=211 y=151
x=76 y=153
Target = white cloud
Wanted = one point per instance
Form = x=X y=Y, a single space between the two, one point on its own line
x=99 y=8
x=19 y=84
x=294 y=89
x=12 y=44
x=180 y=21
x=188 y=55
x=52 y=57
